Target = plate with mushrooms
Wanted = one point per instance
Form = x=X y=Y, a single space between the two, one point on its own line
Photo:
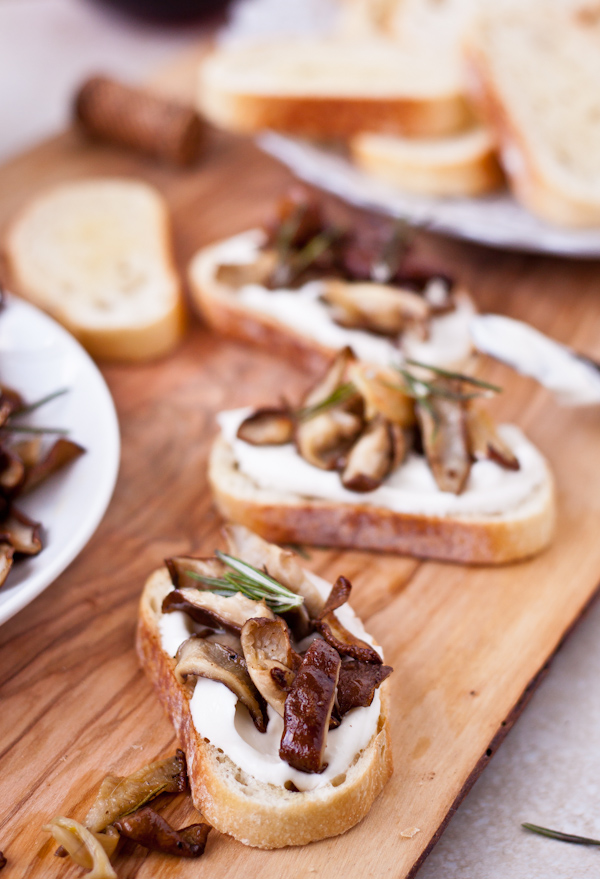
x=59 y=449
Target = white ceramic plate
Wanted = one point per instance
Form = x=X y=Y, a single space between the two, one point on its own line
x=38 y=356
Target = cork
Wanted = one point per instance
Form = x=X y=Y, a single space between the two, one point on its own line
x=111 y=111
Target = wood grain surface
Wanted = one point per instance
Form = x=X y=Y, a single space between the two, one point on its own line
x=466 y=644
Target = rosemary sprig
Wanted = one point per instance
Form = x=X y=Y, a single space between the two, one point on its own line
x=340 y=395
x=31 y=407
x=459 y=376
x=563 y=837
x=251 y=582
x=24 y=428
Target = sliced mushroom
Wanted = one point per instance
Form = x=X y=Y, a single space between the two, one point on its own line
x=281 y=564
x=267 y=427
x=119 y=795
x=148 y=828
x=6 y=560
x=445 y=443
x=62 y=453
x=266 y=645
x=12 y=471
x=332 y=379
x=485 y=442
x=308 y=708
x=324 y=440
x=216 y=611
x=200 y=658
x=328 y=625
x=21 y=532
x=382 y=393
x=29 y=451
x=377 y=308
x=185 y=570
x=357 y=683
x=84 y=846
x=238 y=275
x=371 y=458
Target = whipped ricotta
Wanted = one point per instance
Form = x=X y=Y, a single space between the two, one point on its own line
x=449 y=340
x=411 y=488
x=219 y=717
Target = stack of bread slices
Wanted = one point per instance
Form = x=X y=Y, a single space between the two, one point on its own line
x=440 y=97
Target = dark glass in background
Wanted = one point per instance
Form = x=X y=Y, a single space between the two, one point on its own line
x=169 y=11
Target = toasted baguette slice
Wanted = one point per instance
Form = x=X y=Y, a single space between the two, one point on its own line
x=535 y=69
x=283 y=516
x=306 y=333
x=255 y=813
x=96 y=254
x=462 y=164
x=331 y=89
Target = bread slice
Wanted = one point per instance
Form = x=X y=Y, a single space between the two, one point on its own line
x=332 y=89
x=288 y=517
x=254 y=812
x=96 y=254
x=306 y=334
x=534 y=70
x=463 y=164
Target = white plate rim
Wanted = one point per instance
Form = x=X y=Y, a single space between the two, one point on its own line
x=35 y=584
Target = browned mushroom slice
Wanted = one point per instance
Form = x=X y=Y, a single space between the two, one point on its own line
x=378 y=308
x=267 y=647
x=308 y=708
x=12 y=471
x=371 y=458
x=324 y=440
x=281 y=564
x=6 y=560
x=29 y=451
x=148 y=828
x=485 y=442
x=117 y=796
x=21 y=532
x=62 y=453
x=267 y=427
x=259 y=271
x=444 y=435
x=10 y=401
x=328 y=625
x=185 y=570
x=332 y=379
x=357 y=683
x=88 y=849
x=382 y=393
x=216 y=611
x=206 y=659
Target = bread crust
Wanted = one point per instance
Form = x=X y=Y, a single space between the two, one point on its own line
x=134 y=341
x=468 y=539
x=257 y=814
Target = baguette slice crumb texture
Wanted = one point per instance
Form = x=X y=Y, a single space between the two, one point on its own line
x=96 y=254
x=469 y=539
x=534 y=71
x=331 y=89
x=464 y=164
x=257 y=814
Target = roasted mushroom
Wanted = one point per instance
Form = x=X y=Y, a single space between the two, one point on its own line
x=267 y=427
x=444 y=435
x=61 y=453
x=267 y=647
x=6 y=559
x=85 y=847
x=216 y=611
x=357 y=683
x=258 y=271
x=186 y=570
x=148 y=828
x=371 y=458
x=377 y=308
x=21 y=532
x=328 y=625
x=200 y=658
x=308 y=708
x=485 y=442
x=382 y=393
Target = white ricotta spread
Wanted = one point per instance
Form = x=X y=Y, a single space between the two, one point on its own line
x=449 y=340
x=218 y=717
x=575 y=382
x=490 y=488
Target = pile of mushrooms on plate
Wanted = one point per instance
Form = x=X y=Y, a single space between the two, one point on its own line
x=25 y=462
x=268 y=636
x=363 y=421
x=367 y=279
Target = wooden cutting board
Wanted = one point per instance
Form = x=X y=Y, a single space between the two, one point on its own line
x=467 y=645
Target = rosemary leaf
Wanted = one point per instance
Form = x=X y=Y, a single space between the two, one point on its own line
x=23 y=428
x=459 y=376
x=251 y=582
x=563 y=837
x=30 y=407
